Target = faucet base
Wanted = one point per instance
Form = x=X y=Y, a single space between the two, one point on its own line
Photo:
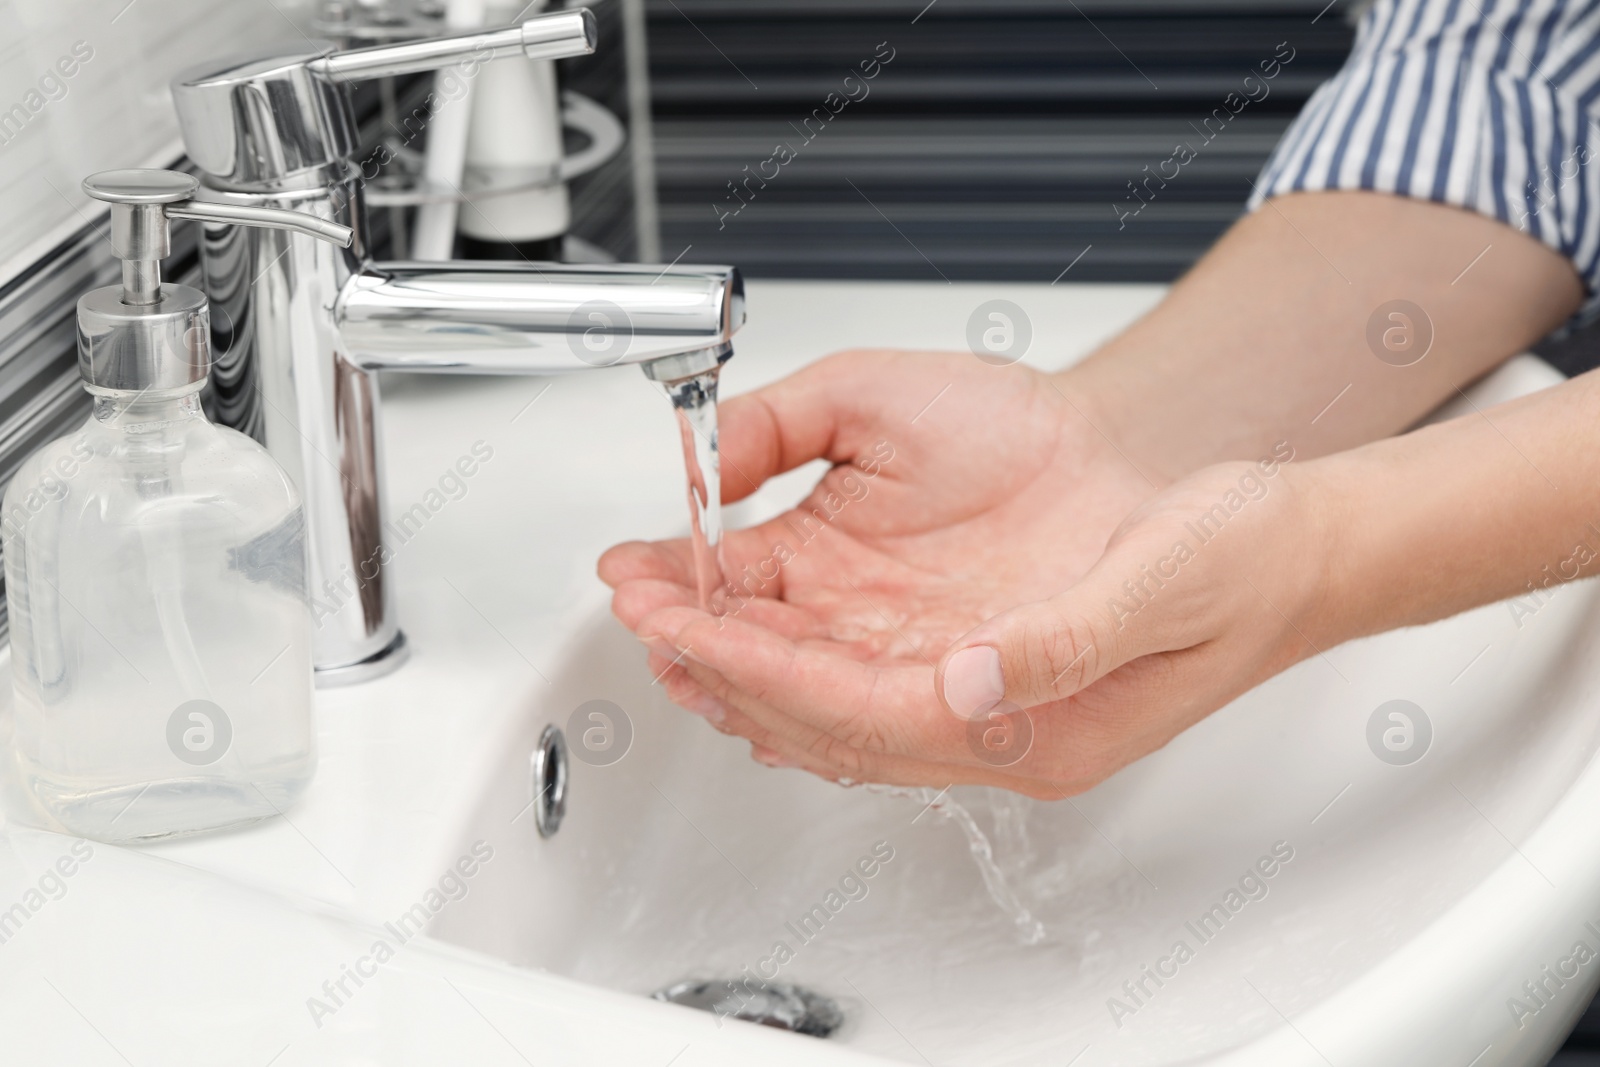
x=389 y=658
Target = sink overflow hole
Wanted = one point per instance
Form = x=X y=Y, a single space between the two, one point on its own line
x=549 y=781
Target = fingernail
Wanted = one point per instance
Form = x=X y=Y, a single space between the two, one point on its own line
x=973 y=681
x=706 y=706
x=769 y=758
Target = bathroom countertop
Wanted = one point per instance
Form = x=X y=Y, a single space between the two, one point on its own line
x=224 y=948
x=294 y=942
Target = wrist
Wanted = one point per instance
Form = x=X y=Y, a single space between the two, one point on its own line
x=1147 y=433
x=1335 y=606
x=1463 y=513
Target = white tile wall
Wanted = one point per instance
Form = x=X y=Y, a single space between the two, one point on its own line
x=83 y=87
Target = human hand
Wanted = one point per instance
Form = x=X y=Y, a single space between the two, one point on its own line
x=1205 y=591
x=959 y=490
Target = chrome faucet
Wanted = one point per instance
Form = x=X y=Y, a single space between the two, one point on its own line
x=300 y=327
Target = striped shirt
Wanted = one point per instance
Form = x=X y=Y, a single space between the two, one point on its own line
x=1488 y=105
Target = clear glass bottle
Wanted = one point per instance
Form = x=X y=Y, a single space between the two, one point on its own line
x=160 y=636
x=155 y=574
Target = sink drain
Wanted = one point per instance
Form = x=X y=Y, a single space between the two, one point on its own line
x=779 y=1004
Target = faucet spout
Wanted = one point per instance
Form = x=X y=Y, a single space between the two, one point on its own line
x=539 y=318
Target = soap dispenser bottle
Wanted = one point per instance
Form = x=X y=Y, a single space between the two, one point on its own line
x=155 y=567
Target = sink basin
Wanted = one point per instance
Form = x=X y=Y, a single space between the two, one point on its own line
x=683 y=858
x=1338 y=901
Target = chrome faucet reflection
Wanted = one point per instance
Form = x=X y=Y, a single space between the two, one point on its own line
x=300 y=328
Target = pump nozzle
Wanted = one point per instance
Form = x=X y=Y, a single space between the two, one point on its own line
x=142 y=202
x=143 y=335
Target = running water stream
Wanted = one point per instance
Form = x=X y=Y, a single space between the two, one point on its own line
x=694 y=401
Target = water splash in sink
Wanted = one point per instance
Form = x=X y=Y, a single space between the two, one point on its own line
x=1010 y=826
x=694 y=401
x=1010 y=813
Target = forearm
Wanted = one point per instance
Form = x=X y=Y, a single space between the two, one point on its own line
x=1464 y=513
x=1265 y=340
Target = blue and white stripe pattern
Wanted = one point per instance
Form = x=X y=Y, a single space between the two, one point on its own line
x=1489 y=105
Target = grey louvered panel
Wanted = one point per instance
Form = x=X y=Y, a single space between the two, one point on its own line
x=999 y=143
x=1008 y=199
x=904 y=10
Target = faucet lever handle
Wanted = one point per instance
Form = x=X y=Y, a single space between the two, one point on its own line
x=554 y=36
x=142 y=202
x=281 y=117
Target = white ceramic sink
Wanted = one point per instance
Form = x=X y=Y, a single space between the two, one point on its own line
x=1417 y=900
